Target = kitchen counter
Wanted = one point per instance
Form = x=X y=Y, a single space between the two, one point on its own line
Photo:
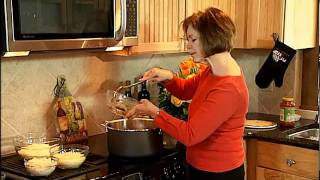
x=98 y=143
x=280 y=134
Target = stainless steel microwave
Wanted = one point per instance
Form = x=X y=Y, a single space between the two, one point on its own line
x=41 y=25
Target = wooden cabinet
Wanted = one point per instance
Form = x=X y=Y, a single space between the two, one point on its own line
x=159 y=26
x=293 y=20
x=236 y=9
x=268 y=161
x=256 y=20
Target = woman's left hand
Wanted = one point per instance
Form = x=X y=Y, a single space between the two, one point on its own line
x=145 y=107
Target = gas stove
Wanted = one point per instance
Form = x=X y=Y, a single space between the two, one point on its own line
x=167 y=165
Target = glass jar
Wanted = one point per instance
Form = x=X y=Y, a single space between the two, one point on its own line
x=287 y=112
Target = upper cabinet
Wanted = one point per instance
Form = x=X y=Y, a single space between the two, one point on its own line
x=295 y=22
x=159 y=26
x=236 y=9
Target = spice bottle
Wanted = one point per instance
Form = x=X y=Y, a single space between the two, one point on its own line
x=287 y=112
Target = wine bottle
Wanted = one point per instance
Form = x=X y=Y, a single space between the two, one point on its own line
x=143 y=93
x=128 y=90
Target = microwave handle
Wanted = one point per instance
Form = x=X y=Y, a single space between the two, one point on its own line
x=120 y=32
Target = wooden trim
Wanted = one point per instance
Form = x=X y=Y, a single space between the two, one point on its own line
x=156 y=46
x=251 y=158
x=297 y=78
x=313 y=108
x=309 y=86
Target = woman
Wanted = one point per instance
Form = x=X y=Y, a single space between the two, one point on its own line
x=214 y=130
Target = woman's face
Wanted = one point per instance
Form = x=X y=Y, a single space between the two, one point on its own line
x=194 y=46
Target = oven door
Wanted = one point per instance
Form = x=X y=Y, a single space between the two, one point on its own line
x=35 y=25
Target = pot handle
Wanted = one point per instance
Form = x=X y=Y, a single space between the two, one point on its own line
x=104 y=125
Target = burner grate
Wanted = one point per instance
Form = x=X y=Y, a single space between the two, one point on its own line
x=15 y=164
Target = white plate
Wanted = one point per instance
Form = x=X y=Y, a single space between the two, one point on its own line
x=262 y=127
x=273 y=125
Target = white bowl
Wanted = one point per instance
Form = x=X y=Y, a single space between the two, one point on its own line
x=70 y=156
x=34 y=144
x=40 y=166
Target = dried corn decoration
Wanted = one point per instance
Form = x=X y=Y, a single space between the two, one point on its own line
x=70 y=120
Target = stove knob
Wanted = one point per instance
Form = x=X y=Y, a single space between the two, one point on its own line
x=165 y=174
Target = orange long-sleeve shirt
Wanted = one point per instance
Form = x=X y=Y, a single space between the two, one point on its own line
x=214 y=130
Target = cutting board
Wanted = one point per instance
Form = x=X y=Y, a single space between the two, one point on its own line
x=259 y=124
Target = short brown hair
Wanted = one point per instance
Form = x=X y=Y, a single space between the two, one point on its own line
x=216 y=30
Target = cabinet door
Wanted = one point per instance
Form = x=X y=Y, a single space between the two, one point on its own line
x=236 y=9
x=264 y=18
x=300 y=29
x=268 y=174
x=294 y=20
x=159 y=26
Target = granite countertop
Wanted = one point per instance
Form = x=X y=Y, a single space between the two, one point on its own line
x=280 y=134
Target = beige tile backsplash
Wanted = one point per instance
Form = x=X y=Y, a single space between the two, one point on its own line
x=27 y=84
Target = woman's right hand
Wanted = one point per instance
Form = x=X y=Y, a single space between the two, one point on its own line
x=157 y=74
x=145 y=107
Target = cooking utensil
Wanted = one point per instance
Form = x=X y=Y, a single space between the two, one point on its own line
x=128 y=86
x=133 y=138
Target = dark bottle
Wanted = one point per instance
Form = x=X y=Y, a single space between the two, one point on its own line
x=128 y=90
x=143 y=93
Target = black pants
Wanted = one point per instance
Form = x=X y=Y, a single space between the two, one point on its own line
x=235 y=174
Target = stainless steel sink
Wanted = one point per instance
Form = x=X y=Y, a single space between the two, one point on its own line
x=312 y=134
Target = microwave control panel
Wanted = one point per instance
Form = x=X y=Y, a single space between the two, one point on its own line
x=132 y=18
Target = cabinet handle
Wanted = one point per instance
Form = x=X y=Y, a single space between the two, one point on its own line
x=290 y=162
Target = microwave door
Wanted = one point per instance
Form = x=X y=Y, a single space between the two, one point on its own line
x=58 y=24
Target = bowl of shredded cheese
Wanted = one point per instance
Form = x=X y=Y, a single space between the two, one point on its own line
x=34 y=145
x=70 y=156
x=41 y=165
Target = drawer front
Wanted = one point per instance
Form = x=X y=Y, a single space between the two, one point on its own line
x=268 y=174
x=290 y=159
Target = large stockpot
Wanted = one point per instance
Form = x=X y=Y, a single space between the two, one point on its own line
x=133 y=138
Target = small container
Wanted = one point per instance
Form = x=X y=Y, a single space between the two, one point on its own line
x=34 y=144
x=70 y=156
x=287 y=112
x=40 y=166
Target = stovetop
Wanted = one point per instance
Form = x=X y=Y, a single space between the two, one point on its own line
x=165 y=165
x=15 y=165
